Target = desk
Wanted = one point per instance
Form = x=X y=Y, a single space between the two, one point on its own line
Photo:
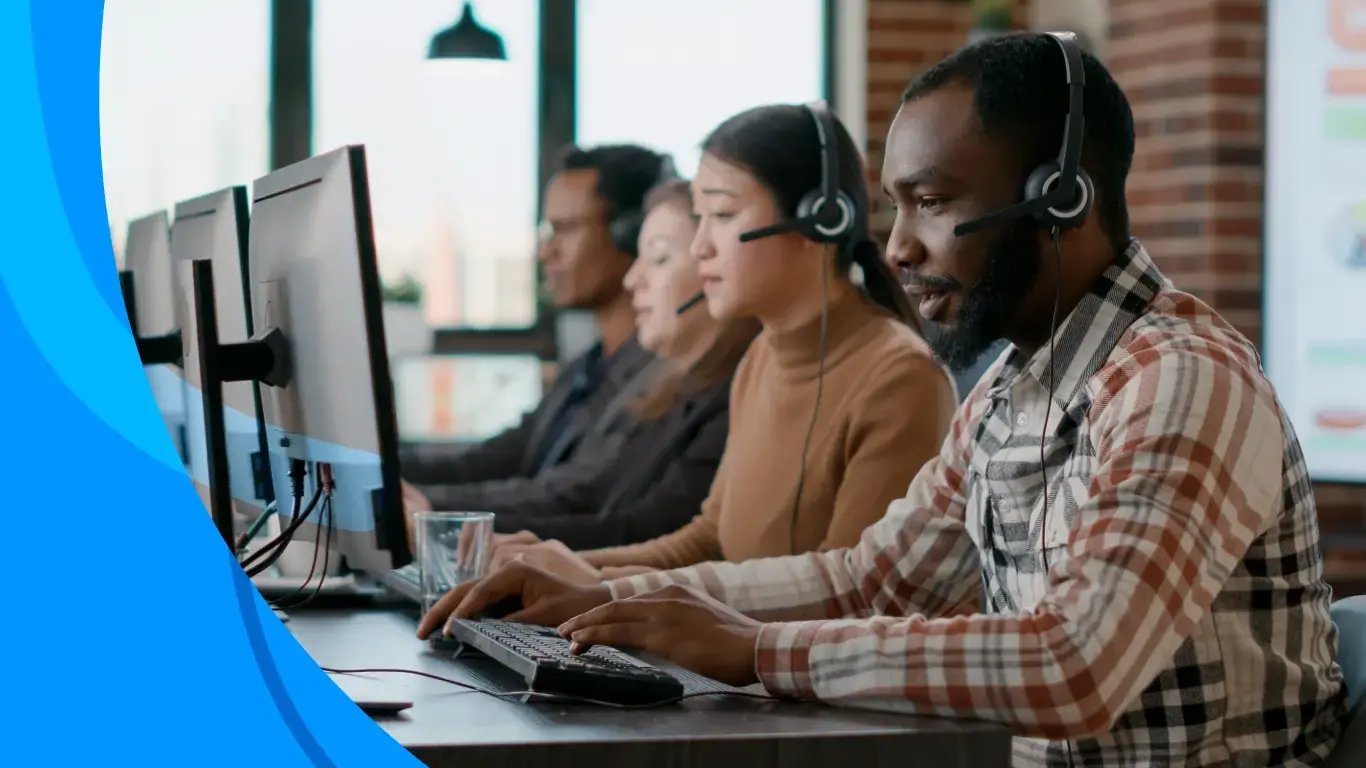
x=447 y=728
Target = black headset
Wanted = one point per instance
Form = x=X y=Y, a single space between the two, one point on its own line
x=826 y=214
x=1058 y=194
x=624 y=226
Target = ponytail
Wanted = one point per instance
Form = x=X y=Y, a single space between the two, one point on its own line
x=880 y=283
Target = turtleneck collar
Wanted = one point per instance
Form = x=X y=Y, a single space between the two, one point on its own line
x=797 y=351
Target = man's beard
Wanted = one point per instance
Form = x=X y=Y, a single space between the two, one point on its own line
x=1012 y=268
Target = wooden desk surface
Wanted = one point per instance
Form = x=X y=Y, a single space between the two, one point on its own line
x=446 y=726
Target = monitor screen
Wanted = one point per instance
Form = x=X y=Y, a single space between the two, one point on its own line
x=1314 y=320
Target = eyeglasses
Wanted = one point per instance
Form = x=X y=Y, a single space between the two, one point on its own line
x=549 y=230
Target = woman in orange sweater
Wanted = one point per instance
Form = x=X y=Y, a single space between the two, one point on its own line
x=838 y=401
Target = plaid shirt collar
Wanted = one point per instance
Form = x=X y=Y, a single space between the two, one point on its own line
x=1089 y=333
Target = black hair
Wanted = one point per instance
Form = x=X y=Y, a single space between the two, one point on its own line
x=779 y=145
x=1020 y=95
x=626 y=172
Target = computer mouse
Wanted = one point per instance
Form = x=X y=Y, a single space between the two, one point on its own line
x=440 y=641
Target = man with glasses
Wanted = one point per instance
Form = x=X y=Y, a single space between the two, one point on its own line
x=591 y=215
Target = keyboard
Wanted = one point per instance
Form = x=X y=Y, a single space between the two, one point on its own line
x=409 y=575
x=405 y=582
x=543 y=660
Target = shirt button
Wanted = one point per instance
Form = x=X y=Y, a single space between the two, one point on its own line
x=1021 y=419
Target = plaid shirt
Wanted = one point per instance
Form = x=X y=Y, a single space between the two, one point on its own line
x=1160 y=602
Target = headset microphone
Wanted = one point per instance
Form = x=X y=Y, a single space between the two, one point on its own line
x=690 y=303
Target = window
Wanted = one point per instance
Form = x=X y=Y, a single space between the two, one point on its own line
x=451 y=148
x=184 y=95
x=665 y=73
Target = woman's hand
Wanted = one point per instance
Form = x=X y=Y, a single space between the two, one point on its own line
x=549 y=556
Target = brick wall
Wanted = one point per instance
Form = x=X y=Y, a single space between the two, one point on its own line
x=1193 y=71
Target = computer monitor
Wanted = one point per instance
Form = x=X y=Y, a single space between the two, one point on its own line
x=315 y=280
x=213 y=228
x=148 y=288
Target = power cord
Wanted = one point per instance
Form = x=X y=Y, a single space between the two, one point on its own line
x=815 y=409
x=276 y=548
x=298 y=470
x=554 y=697
x=326 y=517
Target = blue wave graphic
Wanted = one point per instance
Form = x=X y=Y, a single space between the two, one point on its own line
x=145 y=639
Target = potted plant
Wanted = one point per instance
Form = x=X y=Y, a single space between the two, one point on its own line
x=405 y=329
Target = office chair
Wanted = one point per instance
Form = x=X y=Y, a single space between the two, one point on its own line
x=1349 y=614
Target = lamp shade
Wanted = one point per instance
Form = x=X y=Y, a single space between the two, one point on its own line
x=467 y=39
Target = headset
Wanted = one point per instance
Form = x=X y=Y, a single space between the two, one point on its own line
x=826 y=214
x=1058 y=193
x=624 y=226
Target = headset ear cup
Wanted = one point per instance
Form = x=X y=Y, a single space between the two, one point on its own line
x=1088 y=188
x=806 y=207
x=625 y=231
x=1038 y=179
x=819 y=231
x=1043 y=179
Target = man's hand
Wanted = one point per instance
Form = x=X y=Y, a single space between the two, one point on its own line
x=550 y=556
x=681 y=624
x=546 y=599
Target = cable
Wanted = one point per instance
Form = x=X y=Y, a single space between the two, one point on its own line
x=285 y=536
x=560 y=697
x=318 y=546
x=1052 y=384
x=284 y=539
x=298 y=470
x=326 y=516
x=815 y=409
x=255 y=528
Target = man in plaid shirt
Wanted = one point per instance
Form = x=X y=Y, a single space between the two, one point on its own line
x=1116 y=551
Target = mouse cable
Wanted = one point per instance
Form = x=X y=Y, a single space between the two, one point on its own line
x=553 y=697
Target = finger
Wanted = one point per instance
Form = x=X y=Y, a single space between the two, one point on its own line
x=610 y=613
x=466 y=542
x=520 y=537
x=436 y=615
x=625 y=634
x=506 y=582
x=506 y=553
x=542 y=613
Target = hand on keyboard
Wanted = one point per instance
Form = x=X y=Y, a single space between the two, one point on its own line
x=546 y=599
x=682 y=624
